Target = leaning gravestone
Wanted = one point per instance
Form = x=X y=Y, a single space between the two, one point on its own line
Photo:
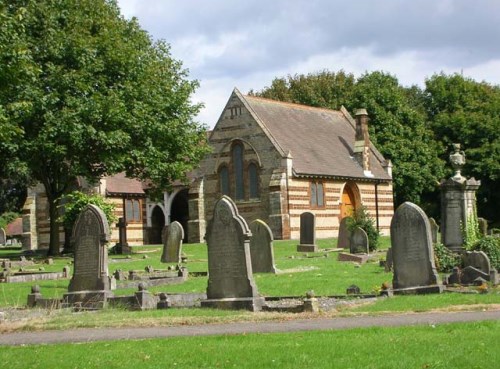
x=344 y=234
x=359 y=241
x=90 y=284
x=3 y=238
x=478 y=260
x=434 y=230
x=261 y=247
x=173 y=235
x=307 y=233
x=230 y=279
x=483 y=226
x=412 y=252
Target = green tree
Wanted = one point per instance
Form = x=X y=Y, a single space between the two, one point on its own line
x=468 y=112
x=399 y=129
x=89 y=93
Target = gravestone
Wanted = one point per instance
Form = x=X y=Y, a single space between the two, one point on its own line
x=434 y=230
x=307 y=233
x=359 y=241
x=412 y=252
x=3 y=238
x=261 y=247
x=478 y=260
x=388 y=260
x=344 y=238
x=483 y=226
x=90 y=284
x=173 y=234
x=123 y=247
x=230 y=280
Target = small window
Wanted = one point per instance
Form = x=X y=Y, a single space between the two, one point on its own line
x=253 y=181
x=224 y=180
x=239 y=191
x=133 y=210
x=317 y=195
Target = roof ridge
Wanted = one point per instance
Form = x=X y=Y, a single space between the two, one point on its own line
x=291 y=104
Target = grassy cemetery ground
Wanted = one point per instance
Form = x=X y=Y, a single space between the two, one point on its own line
x=466 y=345
x=299 y=273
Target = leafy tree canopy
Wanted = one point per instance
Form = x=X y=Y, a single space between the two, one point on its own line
x=85 y=92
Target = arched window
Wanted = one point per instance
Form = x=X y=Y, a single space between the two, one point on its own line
x=239 y=191
x=253 y=180
x=224 y=180
x=317 y=199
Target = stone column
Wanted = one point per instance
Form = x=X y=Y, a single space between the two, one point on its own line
x=458 y=203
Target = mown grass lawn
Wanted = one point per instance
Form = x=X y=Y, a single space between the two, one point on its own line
x=458 y=345
x=299 y=273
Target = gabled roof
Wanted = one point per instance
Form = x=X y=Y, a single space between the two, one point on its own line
x=320 y=140
x=118 y=185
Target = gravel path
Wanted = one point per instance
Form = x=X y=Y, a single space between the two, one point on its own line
x=101 y=334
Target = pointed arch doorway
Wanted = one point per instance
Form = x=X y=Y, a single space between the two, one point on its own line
x=180 y=211
x=157 y=224
x=350 y=200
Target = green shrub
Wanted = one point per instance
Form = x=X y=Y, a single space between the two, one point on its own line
x=362 y=219
x=444 y=258
x=7 y=218
x=490 y=245
x=76 y=201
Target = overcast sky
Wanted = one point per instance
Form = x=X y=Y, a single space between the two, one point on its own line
x=247 y=43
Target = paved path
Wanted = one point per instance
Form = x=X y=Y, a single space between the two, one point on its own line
x=100 y=334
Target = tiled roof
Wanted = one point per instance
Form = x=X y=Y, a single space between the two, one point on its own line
x=14 y=228
x=320 y=140
x=121 y=185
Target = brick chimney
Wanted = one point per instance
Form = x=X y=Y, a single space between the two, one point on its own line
x=362 y=142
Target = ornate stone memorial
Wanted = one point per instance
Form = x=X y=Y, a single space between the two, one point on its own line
x=230 y=280
x=90 y=284
x=412 y=252
x=3 y=237
x=307 y=233
x=173 y=234
x=261 y=247
x=458 y=203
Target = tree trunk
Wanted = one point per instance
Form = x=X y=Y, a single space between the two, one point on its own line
x=54 y=247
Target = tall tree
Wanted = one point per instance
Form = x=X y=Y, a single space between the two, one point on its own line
x=468 y=112
x=90 y=94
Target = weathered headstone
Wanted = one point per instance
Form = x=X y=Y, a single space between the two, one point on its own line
x=359 y=241
x=388 y=260
x=230 y=280
x=173 y=234
x=123 y=248
x=478 y=260
x=90 y=284
x=412 y=252
x=3 y=237
x=307 y=233
x=483 y=226
x=434 y=230
x=344 y=238
x=261 y=247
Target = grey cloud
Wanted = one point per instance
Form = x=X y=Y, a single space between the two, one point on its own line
x=282 y=32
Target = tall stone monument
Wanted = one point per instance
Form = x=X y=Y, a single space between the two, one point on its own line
x=458 y=203
x=261 y=247
x=307 y=233
x=3 y=237
x=412 y=252
x=230 y=280
x=90 y=284
x=173 y=234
